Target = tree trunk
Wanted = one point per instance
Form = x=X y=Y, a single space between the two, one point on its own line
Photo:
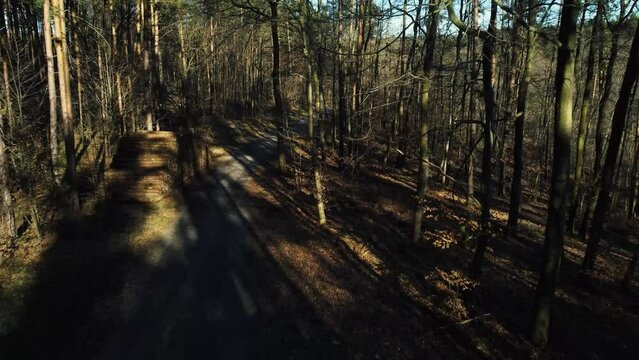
x=584 y=121
x=309 y=53
x=78 y=65
x=554 y=237
x=53 y=101
x=608 y=169
x=341 y=88
x=7 y=200
x=279 y=111
x=600 y=136
x=65 y=102
x=633 y=193
x=422 y=177
x=146 y=63
x=520 y=117
x=156 y=82
x=470 y=169
x=488 y=63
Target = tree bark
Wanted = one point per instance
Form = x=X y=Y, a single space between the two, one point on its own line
x=520 y=117
x=53 y=101
x=423 y=172
x=341 y=87
x=488 y=63
x=554 y=236
x=78 y=65
x=608 y=169
x=7 y=199
x=65 y=102
x=146 y=63
x=279 y=111
x=311 y=74
x=600 y=136
x=584 y=121
x=472 y=104
x=633 y=193
x=156 y=64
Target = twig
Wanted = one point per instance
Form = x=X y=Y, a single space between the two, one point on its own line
x=464 y=322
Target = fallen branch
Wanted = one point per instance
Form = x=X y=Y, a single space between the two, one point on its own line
x=464 y=322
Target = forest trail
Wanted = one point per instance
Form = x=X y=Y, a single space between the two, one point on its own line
x=193 y=302
x=205 y=296
x=140 y=171
x=164 y=275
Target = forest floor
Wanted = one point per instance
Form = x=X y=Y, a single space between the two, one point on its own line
x=388 y=298
x=234 y=265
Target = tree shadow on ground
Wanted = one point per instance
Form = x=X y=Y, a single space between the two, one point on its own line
x=66 y=312
x=378 y=303
x=505 y=292
x=197 y=291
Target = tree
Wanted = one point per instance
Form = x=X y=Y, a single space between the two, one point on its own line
x=341 y=79
x=488 y=66
x=520 y=117
x=53 y=111
x=309 y=51
x=584 y=120
x=280 y=110
x=555 y=223
x=7 y=200
x=603 y=114
x=423 y=172
x=64 y=81
x=6 y=197
x=612 y=152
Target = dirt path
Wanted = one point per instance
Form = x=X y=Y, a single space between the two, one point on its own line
x=194 y=303
x=174 y=278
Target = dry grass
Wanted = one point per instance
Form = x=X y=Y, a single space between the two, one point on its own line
x=19 y=272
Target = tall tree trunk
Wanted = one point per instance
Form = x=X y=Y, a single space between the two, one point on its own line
x=488 y=64
x=311 y=74
x=156 y=63
x=514 y=210
x=279 y=111
x=451 y=102
x=137 y=61
x=404 y=121
x=5 y=44
x=422 y=177
x=470 y=169
x=600 y=129
x=341 y=87
x=65 y=102
x=584 y=121
x=401 y=71
x=554 y=237
x=633 y=193
x=53 y=101
x=319 y=107
x=7 y=199
x=146 y=63
x=78 y=65
x=608 y=169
